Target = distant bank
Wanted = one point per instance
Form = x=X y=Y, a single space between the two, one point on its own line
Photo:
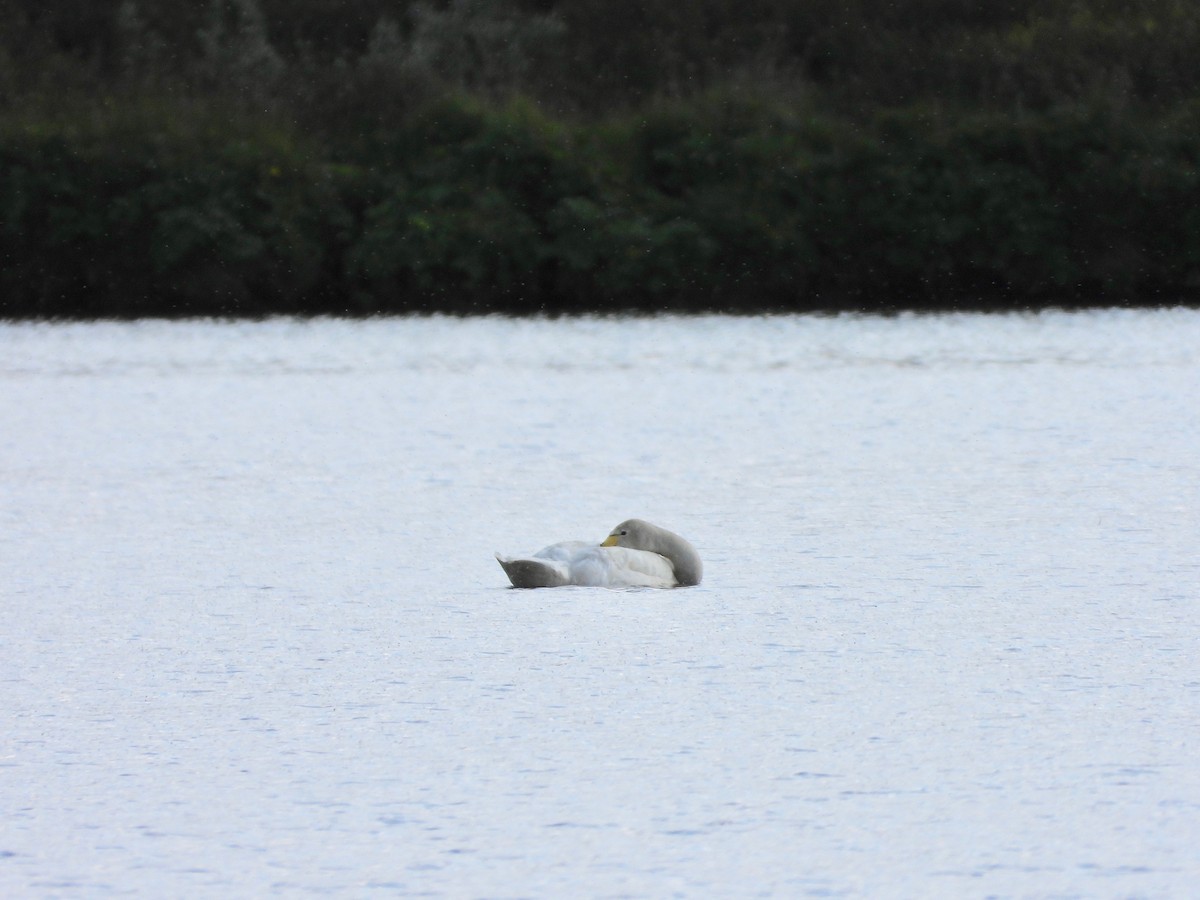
x=712 y=205
x=257 y=157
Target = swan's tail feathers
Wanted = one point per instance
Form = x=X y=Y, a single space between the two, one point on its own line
x=533 y=573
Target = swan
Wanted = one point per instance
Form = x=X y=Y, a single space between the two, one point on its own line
x=635 y=554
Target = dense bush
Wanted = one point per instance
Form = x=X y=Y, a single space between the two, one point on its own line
x=245 y=157
x=162 y=229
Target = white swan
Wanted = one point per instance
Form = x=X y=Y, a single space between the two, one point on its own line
x=635 y=554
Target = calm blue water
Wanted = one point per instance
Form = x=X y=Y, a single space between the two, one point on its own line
x=947 y=643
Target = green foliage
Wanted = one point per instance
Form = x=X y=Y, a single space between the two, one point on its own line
x=154 y=230
x=609 y=257
x=460 y=224
x=245 y=157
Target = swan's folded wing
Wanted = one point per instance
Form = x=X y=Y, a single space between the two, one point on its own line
x=639 y=568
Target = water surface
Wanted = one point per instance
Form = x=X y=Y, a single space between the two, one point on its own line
x=256 y=642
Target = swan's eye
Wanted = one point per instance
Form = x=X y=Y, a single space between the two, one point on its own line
x=623 y=533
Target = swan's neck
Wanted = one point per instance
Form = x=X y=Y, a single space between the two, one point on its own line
x=683 y=556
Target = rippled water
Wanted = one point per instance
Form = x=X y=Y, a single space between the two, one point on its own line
x=947 y=643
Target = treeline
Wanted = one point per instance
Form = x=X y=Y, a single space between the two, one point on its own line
x=248 y=157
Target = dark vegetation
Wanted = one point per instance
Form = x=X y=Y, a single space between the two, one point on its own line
x=248 y=157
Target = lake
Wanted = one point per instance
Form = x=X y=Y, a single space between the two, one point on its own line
x=947 y=643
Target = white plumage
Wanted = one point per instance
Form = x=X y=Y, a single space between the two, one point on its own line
x=635 y=554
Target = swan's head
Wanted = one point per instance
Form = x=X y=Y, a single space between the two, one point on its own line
x=632 y=533
x=639 y=535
